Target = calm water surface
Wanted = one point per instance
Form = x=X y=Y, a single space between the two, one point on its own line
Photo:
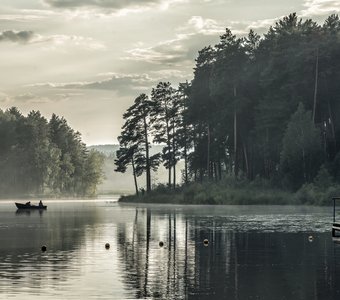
x=254 y=252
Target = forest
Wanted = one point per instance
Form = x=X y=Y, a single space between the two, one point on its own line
x=259 y=109
x=47 y=158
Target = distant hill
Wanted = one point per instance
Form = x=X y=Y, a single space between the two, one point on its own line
x=118 y=183
x=110 y=150
x=107 y=150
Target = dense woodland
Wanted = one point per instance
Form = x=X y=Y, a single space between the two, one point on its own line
x=263 y=107
x=40 y=157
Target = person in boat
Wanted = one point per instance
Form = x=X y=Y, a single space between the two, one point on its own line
x=41 y=204
x=28 y=203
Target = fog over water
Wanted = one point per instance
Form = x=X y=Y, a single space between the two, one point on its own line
x=253 y=252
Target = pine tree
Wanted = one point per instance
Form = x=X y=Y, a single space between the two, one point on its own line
x=134 y=141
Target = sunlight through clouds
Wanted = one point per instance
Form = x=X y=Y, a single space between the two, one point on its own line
x=175 y=51
x=320 y=7
x=203 y=26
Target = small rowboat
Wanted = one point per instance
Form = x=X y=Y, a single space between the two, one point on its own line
x=29 y=206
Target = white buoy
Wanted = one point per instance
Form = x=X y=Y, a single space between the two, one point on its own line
x=310 y=238
x=206 y=242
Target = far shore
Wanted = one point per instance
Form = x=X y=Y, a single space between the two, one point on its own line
x=236 y=193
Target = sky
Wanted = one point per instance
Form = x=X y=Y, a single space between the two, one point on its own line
x=87 y=60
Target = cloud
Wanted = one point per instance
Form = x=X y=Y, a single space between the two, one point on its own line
x=21 y=37
x=63 y=40
x=204 y=26
x=320 y=7
x=25 y=97
x=196 y=33
x=191 y=37
x=122 y=84
x=112 y=5
x=313 y=8
x=51 y=41
x=260 y=26
x=115 y=4
x=4 y=98
x=171 y=74
x=167 y=52
x=20 y=17
x=31 y=98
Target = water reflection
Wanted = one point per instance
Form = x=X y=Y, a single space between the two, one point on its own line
x=234 y=265
x=29 y=211
x=252 y=253
x=22 y=235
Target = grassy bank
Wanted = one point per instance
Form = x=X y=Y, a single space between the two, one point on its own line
x=240 y=192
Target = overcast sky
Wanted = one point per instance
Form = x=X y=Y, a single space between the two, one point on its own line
x=87 y=60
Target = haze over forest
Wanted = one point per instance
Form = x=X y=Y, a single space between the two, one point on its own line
x=122 y=183
x=258 y=108
x=255 y=98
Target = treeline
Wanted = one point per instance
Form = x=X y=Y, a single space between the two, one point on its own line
x=258 y=107
x=40 y=157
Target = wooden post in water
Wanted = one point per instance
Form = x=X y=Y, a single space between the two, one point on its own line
x=334 y=210
x=335 y=226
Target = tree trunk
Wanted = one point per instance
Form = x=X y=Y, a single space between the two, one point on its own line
x=235 y=137
x=185 y=164
x=134 y=176
x=148 y=174
x=316 y=82
x=169 y=173
x=174 y=177
x=208 y=152
x=173 y=156
x=215 y=172
x=304 y=165
x=219 y=170
x=168 y=143
x=200 y=165
x=331 y=121
x=246 y=159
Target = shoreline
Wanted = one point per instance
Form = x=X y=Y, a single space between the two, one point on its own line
x=236 y=193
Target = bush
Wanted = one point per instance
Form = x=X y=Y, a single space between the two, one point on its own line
x=306 y=194
x=242 y=192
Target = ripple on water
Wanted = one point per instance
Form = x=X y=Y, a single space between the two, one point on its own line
x=259 y=248
x=268 y=223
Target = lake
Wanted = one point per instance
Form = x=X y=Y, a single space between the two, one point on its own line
x=208 y=252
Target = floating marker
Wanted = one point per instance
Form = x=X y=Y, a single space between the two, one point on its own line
x=311 y=238
x=43 y=248
x=161 y=244
x=206 y=242
x=107 y=246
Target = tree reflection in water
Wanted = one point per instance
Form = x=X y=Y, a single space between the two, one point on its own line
x=234 y=265
x=22 y=262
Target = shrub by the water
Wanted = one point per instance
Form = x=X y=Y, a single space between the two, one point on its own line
x=228 y=191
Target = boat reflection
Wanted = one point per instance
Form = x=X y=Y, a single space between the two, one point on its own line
x=28 y=212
